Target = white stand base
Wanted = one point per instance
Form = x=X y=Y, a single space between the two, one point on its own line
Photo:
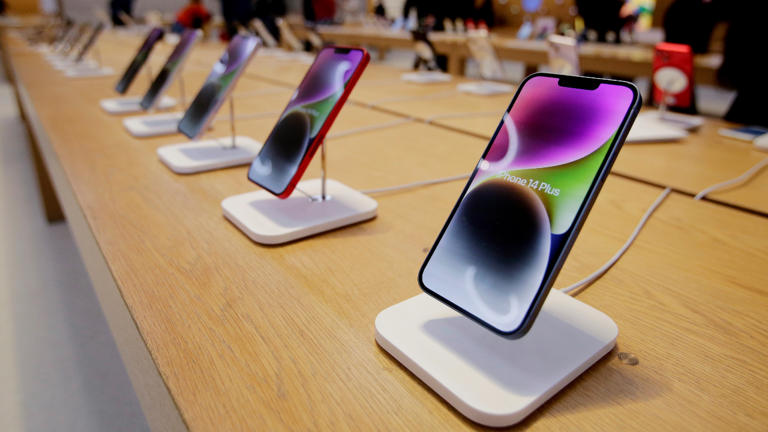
x=485 y=88
x=426 y=77
x=207 y=155
x=60 y=62
x=88 y=71
x=492 y=380
x=267 y=219
x=129 y=105
x=650 y=127
x=153 y=125
x=761 y=142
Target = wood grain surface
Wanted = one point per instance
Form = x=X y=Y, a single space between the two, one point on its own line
x=247 y=337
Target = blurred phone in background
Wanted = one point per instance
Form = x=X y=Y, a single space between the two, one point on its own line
x=563 y=55
x=673 y=77
x=139 y=60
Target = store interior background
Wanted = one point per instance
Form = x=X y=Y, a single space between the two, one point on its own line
x=58 y=363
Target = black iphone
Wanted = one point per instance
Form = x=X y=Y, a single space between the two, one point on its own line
x=139 y=59
x=219 y=84
x=508 y=235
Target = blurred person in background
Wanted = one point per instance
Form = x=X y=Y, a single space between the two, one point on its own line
x=430 y=13
x=319 y=11
x=691 y=22
x=743 y=68
x=602 y=18
x=268 y=11
x=119 y=7
x=477 y=14
x=193 y=16
x=237 y=14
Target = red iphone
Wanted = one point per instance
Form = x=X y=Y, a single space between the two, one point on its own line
x=673 y=75
x=310 y=113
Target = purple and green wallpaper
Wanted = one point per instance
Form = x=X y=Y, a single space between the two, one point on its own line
x=305 y=115
x=512 y=222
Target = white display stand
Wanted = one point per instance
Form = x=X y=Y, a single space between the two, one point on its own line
x=426 y=77
x=153 y=125
x=485 y=88
x=207 y=155
x=129 y=105
x=492 y=380
x=88 y=72
x=267 y=219
x=661 y=126
x=60 y=62
x=761 y=142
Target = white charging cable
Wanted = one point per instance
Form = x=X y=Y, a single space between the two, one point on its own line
x=431 y=119
x=256 y=115
x=735 y=181
x=415 y=184
x=260 y=92
x=580 y=285
x=378 y=82
x=410 y=98
x=369 y=128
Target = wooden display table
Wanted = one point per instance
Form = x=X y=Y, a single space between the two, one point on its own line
x=218 y=333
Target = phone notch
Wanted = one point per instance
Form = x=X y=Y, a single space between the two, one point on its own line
x=578 y=82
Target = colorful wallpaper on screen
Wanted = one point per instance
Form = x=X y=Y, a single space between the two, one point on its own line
x=524 y=197
x=303 y=118
x=170 y=68
x=218 y=84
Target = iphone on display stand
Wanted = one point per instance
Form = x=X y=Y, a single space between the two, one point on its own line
x=61 y=54
x=128 y=104
x=233 y=150
x=487 y=316
x=164 y=123
x=139 y=60
x=86 y=69
x=426 y=58
x=673 y=77
x=316 y=205
x=491 y=70
x=672 y=90
x=563 y=53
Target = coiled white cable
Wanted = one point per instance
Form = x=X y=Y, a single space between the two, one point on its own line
x=734 y=181
x=580 y=285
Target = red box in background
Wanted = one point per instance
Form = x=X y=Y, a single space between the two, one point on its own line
x=673 y=71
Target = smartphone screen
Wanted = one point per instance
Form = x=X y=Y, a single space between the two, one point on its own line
x=139 y=59
x=310 y=112
x=171 y=67
x=218 y=85
x=507 y=237
x=90 y=42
